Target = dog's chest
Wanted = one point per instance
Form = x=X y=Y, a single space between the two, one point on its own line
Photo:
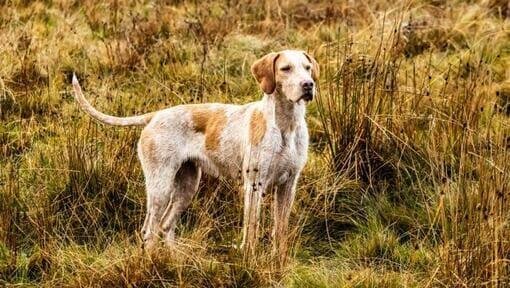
x=292 y=155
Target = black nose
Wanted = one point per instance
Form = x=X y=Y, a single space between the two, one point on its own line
x=307 y=85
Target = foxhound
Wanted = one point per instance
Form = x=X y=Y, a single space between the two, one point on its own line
x=263 y=142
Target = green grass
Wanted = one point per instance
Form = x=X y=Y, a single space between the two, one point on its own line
x=407 y=179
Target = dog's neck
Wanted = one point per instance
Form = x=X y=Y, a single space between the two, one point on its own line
x=287 y=114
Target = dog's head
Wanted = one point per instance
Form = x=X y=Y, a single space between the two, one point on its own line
x=292 y=73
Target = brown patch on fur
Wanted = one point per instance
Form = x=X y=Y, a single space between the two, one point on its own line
x=148 y=145
x=257 y=127
x=211 y=123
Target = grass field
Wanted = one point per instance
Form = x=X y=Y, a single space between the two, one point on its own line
x=408 y=178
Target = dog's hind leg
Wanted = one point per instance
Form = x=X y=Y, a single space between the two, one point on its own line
x=159 y=192
x=186 y=184
x=160 y=166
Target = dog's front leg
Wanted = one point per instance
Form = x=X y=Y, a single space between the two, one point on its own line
x=255 y=185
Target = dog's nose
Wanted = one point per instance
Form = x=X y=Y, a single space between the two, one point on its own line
x=307 y=85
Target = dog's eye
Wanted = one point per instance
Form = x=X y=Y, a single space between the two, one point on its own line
x=308 y=68
x=285 y=68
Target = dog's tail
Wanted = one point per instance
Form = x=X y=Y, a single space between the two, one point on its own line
x=139 y=120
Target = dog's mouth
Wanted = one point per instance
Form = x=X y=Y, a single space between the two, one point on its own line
x=307 y=96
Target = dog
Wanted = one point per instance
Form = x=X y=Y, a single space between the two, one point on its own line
x=264 y=142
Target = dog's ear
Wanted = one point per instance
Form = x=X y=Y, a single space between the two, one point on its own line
x=315 y=67
x=264 y=72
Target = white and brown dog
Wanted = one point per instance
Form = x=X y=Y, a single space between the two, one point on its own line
x=265 y=141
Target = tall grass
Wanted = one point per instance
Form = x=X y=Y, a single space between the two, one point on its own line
x=407 y=179
x=431 y=138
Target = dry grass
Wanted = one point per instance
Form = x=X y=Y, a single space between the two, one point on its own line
x=408 y=174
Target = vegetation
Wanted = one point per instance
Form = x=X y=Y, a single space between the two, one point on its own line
x=407 y=183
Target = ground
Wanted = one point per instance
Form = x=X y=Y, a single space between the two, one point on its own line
x=407 y=182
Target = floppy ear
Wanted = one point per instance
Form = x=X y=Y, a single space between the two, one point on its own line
x=315 y=67
x=263 y=71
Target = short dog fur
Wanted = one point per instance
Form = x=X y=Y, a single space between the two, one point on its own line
x=265 y=142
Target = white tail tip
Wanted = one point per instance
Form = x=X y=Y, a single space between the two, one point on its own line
x=75 y=79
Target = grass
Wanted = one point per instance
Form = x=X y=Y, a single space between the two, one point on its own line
x=407 y=179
